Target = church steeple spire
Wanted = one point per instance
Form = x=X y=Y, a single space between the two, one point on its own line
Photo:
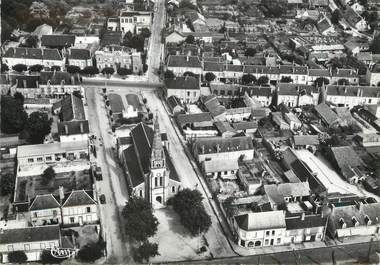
x=158 y=155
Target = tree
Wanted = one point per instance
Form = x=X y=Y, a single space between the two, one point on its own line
x=47 y=176
x=250 y=52
x=4 y=68
x=187 y=4
x=190 y=39
x=375 y=45
x=263 y=80
x=77 y=93
x=145 y=32
x=136 y=42
x=321 y=81
x=378 y=84
x=188 y=204
x=343 y=81
x=286 y=79
x=336 y=16
x=188 y=73
x=47 y=258
x=36 y=68
x=169 y=74
x=209 y=76
x=108 y=71
x=7 y=184
x=91 y=252
x=73 y=69
x=90 y=70
x=248 y=79
x=140 y=223
x=19 y=97
x=145 y=67
x=38 y=126
x=17 y=257
x=124 y=71
x=145 y=251
x=13 y=115
x=31 y=42
x=19 y=67
x=55 y=68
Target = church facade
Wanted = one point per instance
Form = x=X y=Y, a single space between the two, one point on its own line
x=150 y=172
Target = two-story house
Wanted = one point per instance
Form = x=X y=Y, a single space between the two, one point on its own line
x=186 y=88
x=33 y=56
x=181 y=64
x=45 y=209
x=79 y=57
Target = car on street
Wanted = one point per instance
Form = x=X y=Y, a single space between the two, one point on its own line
x=102 y=199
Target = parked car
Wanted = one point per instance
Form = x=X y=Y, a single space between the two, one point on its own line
x=102 y=199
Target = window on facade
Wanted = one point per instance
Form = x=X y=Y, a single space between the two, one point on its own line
x=267 y=233
x=48 y=158
x=188 y=93
x=30 y=160
x=216 y=92
x=369 y=101
x=160 y=181
x=273 y=232
x=10 y=248
x=72 y=220
x=236 y=93
x=278 y=241
x=140 y=193
x=26 y=247
x=35 y=214
x=155 y=182
x=225 y=172
x=229 y=92
x=173 y=189
x=222 y=92
x=266 y=242
x=88 y=209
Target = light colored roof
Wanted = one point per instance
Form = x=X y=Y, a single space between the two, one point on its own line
x=277 y=192
x=220 y=165
x=51 y=148
x=78 y=198
x=261 y=220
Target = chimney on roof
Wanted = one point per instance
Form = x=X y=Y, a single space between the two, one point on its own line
x=81 y=127
x=66 y=129
x=303 y=216
x=61 y=193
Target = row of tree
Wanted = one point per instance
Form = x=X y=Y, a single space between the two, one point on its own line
x=14 y=119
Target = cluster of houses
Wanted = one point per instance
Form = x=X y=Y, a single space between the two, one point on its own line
x=44 y=210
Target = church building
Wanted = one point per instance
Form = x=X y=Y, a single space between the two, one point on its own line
x=150 y=172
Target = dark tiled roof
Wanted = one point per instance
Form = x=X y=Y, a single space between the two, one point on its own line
x=288 y=69
x=42 y=202
x=323 y=25
x=33 y=53
x=346 y=213
x=111 y=38
x=310 y=221
x=305 y=140
x=57 y=77
x=188 y=83
x=79 y=54
x=256 y=91
x=57 y=40
x=116 y=103
x=184 y=119
x=132 y=162
x=25 y=81
x=173 y=102
x=213 y=66
x=353 y=91
x=142 y=136
x=78 y=198
x=210 y=144
x=245 y=125
x=72 y=108
x=345 y=73
x=293 y=89
x=326 y=113
x=345 y=156
x=319 y=72
x=184 y=61
x=30 y=234
x=73 y=127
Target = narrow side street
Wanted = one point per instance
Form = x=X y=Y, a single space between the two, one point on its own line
x=113 y=184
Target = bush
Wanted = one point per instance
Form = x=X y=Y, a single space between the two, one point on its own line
x=321 y=81
x=250 y=52
x=7 y=184
x=210 y=77
x=20 y=68
x=108 y=71
x=145 y=67
x=248 y=79
x=263 y=80
x=4 y=68
x=286 y=79
x=55 y=68
x=13 y=115
x=38 y=126
x=17 y=257
x=47 y=258
x=47 y=176
x=90 y=70
x=169 y=74
x=124 y=71
x=73 y=69
x=146 y=251
x=91 y=252
x=190 y=39
x=36 y=68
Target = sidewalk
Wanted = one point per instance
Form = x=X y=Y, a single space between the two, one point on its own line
x=115 y=77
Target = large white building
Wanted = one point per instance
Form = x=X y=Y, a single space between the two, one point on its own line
x=132 y=21
x=350 y=96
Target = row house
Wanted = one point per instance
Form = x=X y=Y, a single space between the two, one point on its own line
x=79 y=57
x=118 y=57
x=78 y=207
x=275 y=228
x=33 y=56
x=219 y=148
x=132 y=21
x=185 y=88
x=33 y=159
x=373 y=75
x=31 y=240
x=350 y=96
x=350 y=75
x=294 y=95
x=50 y=84
x=180 y=64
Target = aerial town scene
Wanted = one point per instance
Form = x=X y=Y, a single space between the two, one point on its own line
x=190 y=131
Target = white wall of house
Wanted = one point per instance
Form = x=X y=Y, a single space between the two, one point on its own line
x=248 y=154
x=186 y=95
x=73 y=138
x=75 y=215
x=40 y=216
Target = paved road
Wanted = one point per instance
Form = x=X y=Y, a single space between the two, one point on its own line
x=119 y=83
x=361 y=253
x=113 y=184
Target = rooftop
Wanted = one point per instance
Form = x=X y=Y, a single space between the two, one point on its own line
x=30 y=234
x=50 y=148
x=261 y=220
